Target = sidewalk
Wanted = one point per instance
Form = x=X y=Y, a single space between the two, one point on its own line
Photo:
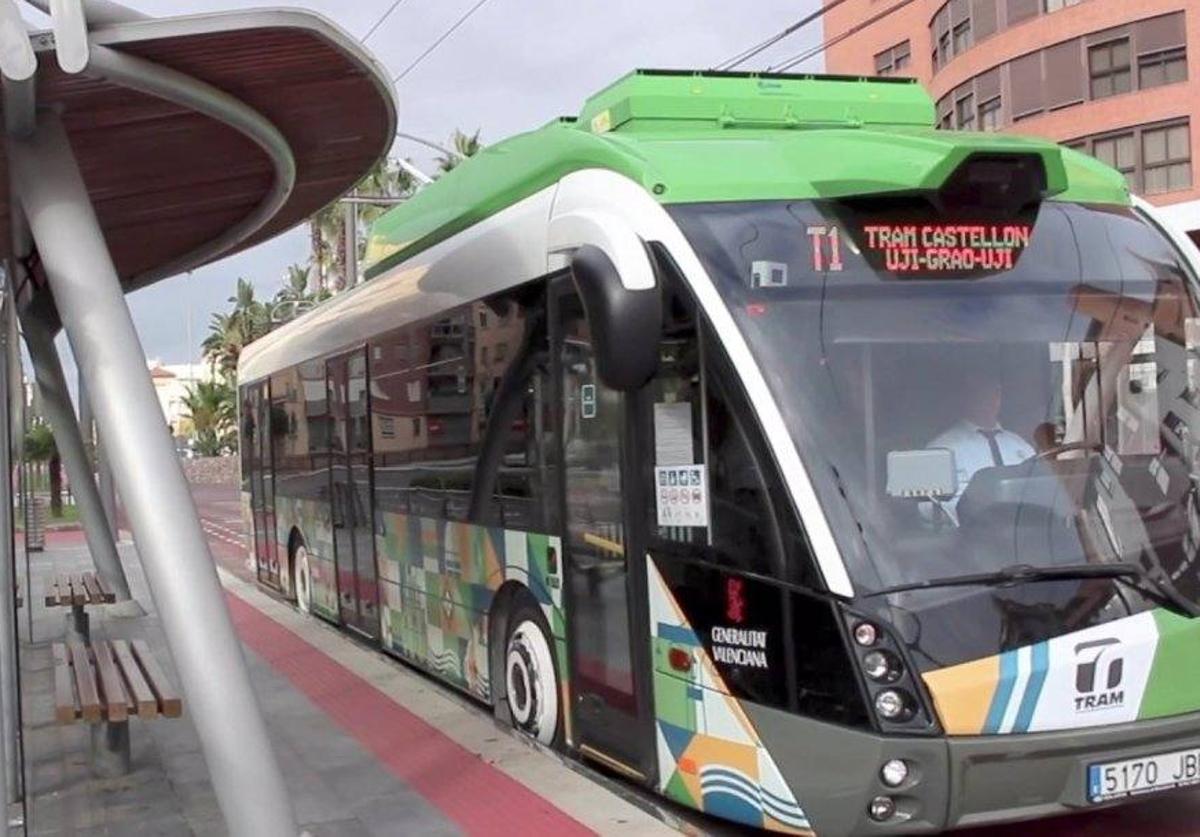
x=368 y=747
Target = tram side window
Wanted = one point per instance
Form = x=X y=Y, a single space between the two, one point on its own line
x=421 y=417
x=298 y=430
x=437 y=390
x=248 y=439
x=699 y=417
x=516 y=445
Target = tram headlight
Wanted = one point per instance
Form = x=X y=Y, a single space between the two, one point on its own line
x=894 y=773
x=892 y=705
x=882 y=808
x=882 y=667
x=866 y=634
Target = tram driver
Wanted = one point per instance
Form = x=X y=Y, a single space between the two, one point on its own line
x=977 y=440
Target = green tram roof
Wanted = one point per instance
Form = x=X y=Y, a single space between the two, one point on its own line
x=692 y=137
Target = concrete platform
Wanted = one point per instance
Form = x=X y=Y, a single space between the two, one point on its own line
x=368 y=747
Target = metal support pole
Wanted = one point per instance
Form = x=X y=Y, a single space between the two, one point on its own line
x=179 y=568
x=87 y=427
x=56 y=402
x=10 y=726
x=108 y=489
x=351 y=221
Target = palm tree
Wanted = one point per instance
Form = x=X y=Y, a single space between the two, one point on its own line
x=327 y=227
x=386 y=179
x=40 y=448
x=294 y=298
x=295 y=284
x=466 y=146
x=232 y=332
x=212 y=409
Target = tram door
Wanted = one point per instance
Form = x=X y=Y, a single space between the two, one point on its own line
x=350 y=492
x=256 y=418
x=602 y=581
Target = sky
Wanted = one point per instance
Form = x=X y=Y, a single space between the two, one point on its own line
x=511 y=67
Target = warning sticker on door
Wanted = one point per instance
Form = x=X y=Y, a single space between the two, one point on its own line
x=682 y=495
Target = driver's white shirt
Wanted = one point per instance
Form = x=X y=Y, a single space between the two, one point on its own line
x=972 y=453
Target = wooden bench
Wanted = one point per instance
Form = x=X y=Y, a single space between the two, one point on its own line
x=78 y=591
x=104 y=684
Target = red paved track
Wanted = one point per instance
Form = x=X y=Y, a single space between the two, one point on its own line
x=477 y=797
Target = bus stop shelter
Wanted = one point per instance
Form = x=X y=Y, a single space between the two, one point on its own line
x=137 y=149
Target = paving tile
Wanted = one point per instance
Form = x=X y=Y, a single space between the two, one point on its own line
x=338 y=828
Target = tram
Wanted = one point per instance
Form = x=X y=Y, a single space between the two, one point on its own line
x=749 y=437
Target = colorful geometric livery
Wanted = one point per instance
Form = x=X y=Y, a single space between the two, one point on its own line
x=710 y=757
x=437 y=580
x=437 y=583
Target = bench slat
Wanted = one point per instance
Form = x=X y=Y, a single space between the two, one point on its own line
x=106 y=593
x=64 y=688
x=64 y=591
x=145 y=703
x=79 y=593
x=170 y=704
x=85 y=683
x=116 y=703
x=93 y=589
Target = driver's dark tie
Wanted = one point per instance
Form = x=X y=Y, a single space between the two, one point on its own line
x=991 y=435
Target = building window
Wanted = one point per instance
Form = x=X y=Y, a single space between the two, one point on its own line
x=1108 y=66
x=962 y=37
x=1165 y=67
x=1167 y=159
x=989 y=115
x=894 y=60
x=1055 y=5
x=964 y=112
x=1118 y=152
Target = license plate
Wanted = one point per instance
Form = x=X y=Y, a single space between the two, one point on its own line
x=1119 y=779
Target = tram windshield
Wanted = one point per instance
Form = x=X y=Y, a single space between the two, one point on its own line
x=976 y=395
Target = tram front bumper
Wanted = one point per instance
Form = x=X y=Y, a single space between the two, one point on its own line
x=956 y=782
x=1003 y=778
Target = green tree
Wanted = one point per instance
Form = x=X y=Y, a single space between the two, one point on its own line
x=466 y=146
x=41 y=448
x=327 y=227
x=212 y=408
x=295 y=285
x=229 y=333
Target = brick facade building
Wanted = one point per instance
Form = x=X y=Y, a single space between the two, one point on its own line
x=1119 y=79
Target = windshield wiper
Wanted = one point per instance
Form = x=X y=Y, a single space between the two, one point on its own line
x=1023 y=573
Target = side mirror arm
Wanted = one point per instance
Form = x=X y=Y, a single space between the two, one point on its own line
x=622 y=300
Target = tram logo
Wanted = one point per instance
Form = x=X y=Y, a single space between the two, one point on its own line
x=1099 y=670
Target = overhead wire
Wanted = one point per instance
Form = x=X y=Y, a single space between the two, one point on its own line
x=788 y=63
x=439 y=41
x=746 y=55
x=382 y=19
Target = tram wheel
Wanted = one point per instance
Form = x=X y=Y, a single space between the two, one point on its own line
x=302 y=582
x=531 y=682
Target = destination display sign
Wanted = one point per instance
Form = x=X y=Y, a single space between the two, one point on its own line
x=945 y=247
